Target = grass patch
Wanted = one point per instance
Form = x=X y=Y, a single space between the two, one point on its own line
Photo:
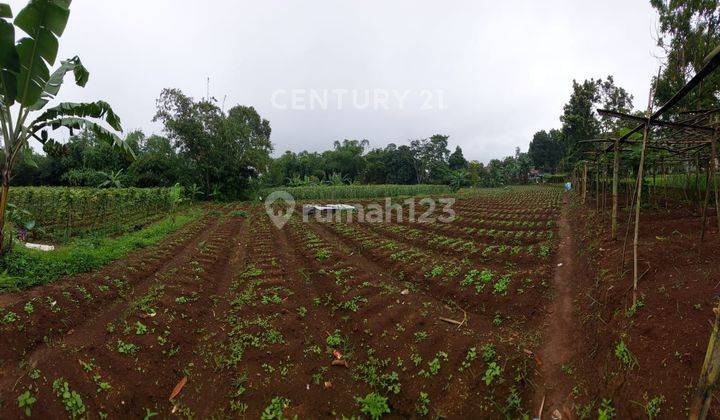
x=27 y=267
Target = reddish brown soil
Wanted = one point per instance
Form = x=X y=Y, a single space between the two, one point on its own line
x=247 y=312
x=668 y=335
x=560 y=343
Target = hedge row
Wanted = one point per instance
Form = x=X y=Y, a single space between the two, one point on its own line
x=63 y=212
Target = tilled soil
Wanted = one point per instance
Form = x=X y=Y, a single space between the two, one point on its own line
x=241 y=318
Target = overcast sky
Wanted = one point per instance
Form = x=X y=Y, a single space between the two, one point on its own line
x=487 y=73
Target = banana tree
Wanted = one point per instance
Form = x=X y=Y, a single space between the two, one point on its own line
x=27 y=86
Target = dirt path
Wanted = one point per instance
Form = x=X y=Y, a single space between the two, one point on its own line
x=559 y=342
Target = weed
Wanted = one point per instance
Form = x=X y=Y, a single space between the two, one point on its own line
x=302 y=311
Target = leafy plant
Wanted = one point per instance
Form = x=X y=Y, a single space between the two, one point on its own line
x=652 y=406
x=334 y=340
x=374 y=405
x=606 y=411
x=126 y=348
x=622 y=352
x=26 y=82
x=493 y=371
x=274 y=411
x=423 y=404
x=26 y=401
x=71 y=400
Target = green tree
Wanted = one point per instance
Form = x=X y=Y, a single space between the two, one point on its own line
x=579 y=121
x=546 y=150
x=26 y=87
x=457 y=160
x=688 y=31
x=223 y=151
x=346 y=158
x=431 y=158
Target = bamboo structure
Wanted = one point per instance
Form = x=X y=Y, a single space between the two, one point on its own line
x=709 y=374
x=615 y=182
x=638 y=200
x=681 y=138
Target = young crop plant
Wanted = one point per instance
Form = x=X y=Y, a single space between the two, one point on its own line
x=623 y=354
x=652 y=406
x=126 y=348
x=469 y=358
x=423 y=404
x=140 y=328
x=334 y=340
x=434 y=365
x=493 y=371
x=501 y=285
x=26 y=401
x=9 y=318
x=71 y=400
x=274 y=411
x=374 y=405
x=606 y=411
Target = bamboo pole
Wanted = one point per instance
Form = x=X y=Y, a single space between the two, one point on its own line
x=615 y=182
x=597 y=183
x=713 y=165
x=703 y=217
x=584 y=182
x=709 y=374
x=638 y=202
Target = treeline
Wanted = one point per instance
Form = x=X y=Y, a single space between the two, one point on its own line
x=212 y=153
x=422 y=161
x=226 y=155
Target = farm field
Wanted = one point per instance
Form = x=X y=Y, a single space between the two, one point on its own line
x=311 y=320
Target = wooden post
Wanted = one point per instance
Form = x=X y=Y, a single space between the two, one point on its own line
x=713 y=166
x=638 y=201
x=709 y=374
x=584 y=182
x=597 y=183
x=703 y=217
x=615 y=182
